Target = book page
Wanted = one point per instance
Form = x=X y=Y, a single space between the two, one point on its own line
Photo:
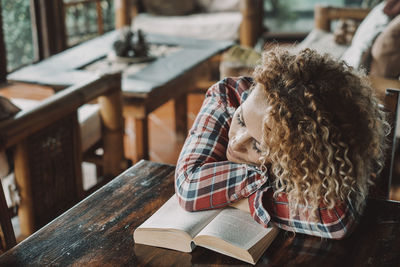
x=235 y=227
x=172 y=216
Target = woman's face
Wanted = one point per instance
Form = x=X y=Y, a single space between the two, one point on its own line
x=246 y=129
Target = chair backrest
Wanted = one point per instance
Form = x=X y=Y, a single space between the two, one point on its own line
x=324 y=15
x=382 y=186
x=7 y=236
x=47 y=150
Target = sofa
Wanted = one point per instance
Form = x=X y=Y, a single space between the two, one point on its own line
x=365 y=38
x=373 y=46
x=236 y=20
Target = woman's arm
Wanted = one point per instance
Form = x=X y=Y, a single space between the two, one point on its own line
x=204 y=179
x=336 y=223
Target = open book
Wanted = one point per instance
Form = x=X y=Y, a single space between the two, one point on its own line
x=229 y=231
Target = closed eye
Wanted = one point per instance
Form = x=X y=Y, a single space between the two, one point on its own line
x=240 y=119
x=255 y=146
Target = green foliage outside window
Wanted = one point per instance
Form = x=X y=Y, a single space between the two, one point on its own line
x=81 y=20
x=17 y=33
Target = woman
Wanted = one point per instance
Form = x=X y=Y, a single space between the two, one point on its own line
x=301 y=141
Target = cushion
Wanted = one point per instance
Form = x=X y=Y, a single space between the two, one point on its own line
x=345 y=30
x=386 y=51
x=218 y=5
x=170 y=7
x=238 y=61
x=358 y=54
x=392 y=8
x=323 y=42
x=24 y=103
x=216 y=26
x=90 y=124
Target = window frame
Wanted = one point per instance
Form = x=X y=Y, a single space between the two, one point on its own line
x=3 y=56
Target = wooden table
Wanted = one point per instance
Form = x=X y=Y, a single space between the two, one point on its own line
x=98 y=232
x=168 y=77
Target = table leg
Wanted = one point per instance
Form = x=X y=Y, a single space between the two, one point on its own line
x=113 y=133
x=142 y=138
x=181 y=127
x=23 y=178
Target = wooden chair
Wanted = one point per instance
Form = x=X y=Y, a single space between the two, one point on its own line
x=47 y=148
x=7 y=236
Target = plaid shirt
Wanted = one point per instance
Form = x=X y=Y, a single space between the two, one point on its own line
x=205 y=179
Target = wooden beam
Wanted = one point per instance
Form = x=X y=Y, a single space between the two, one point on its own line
x=122 y=13
x=252 y=22
x=100 y=22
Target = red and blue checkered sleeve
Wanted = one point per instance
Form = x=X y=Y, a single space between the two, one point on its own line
x=204 y=179
x=336 y=223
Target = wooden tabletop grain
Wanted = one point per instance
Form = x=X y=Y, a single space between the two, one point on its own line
x=98 y=232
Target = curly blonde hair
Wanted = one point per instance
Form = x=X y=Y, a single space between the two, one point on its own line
x=324 y=134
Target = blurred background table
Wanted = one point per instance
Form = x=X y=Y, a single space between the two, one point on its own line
x=145 y=87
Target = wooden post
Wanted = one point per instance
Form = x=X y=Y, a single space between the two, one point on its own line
x=142 y=141
x=113 y=132
x=252 y=21
x=322 y=20
x=122 y=13
x=136 y=111
x=181 y=127
x=100 y=22
x=23 y=180
x=77 y=156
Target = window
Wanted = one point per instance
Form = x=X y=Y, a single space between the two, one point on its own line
x=58 y=24
x=296 y=16
x=17 y=33
x=85 y=19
